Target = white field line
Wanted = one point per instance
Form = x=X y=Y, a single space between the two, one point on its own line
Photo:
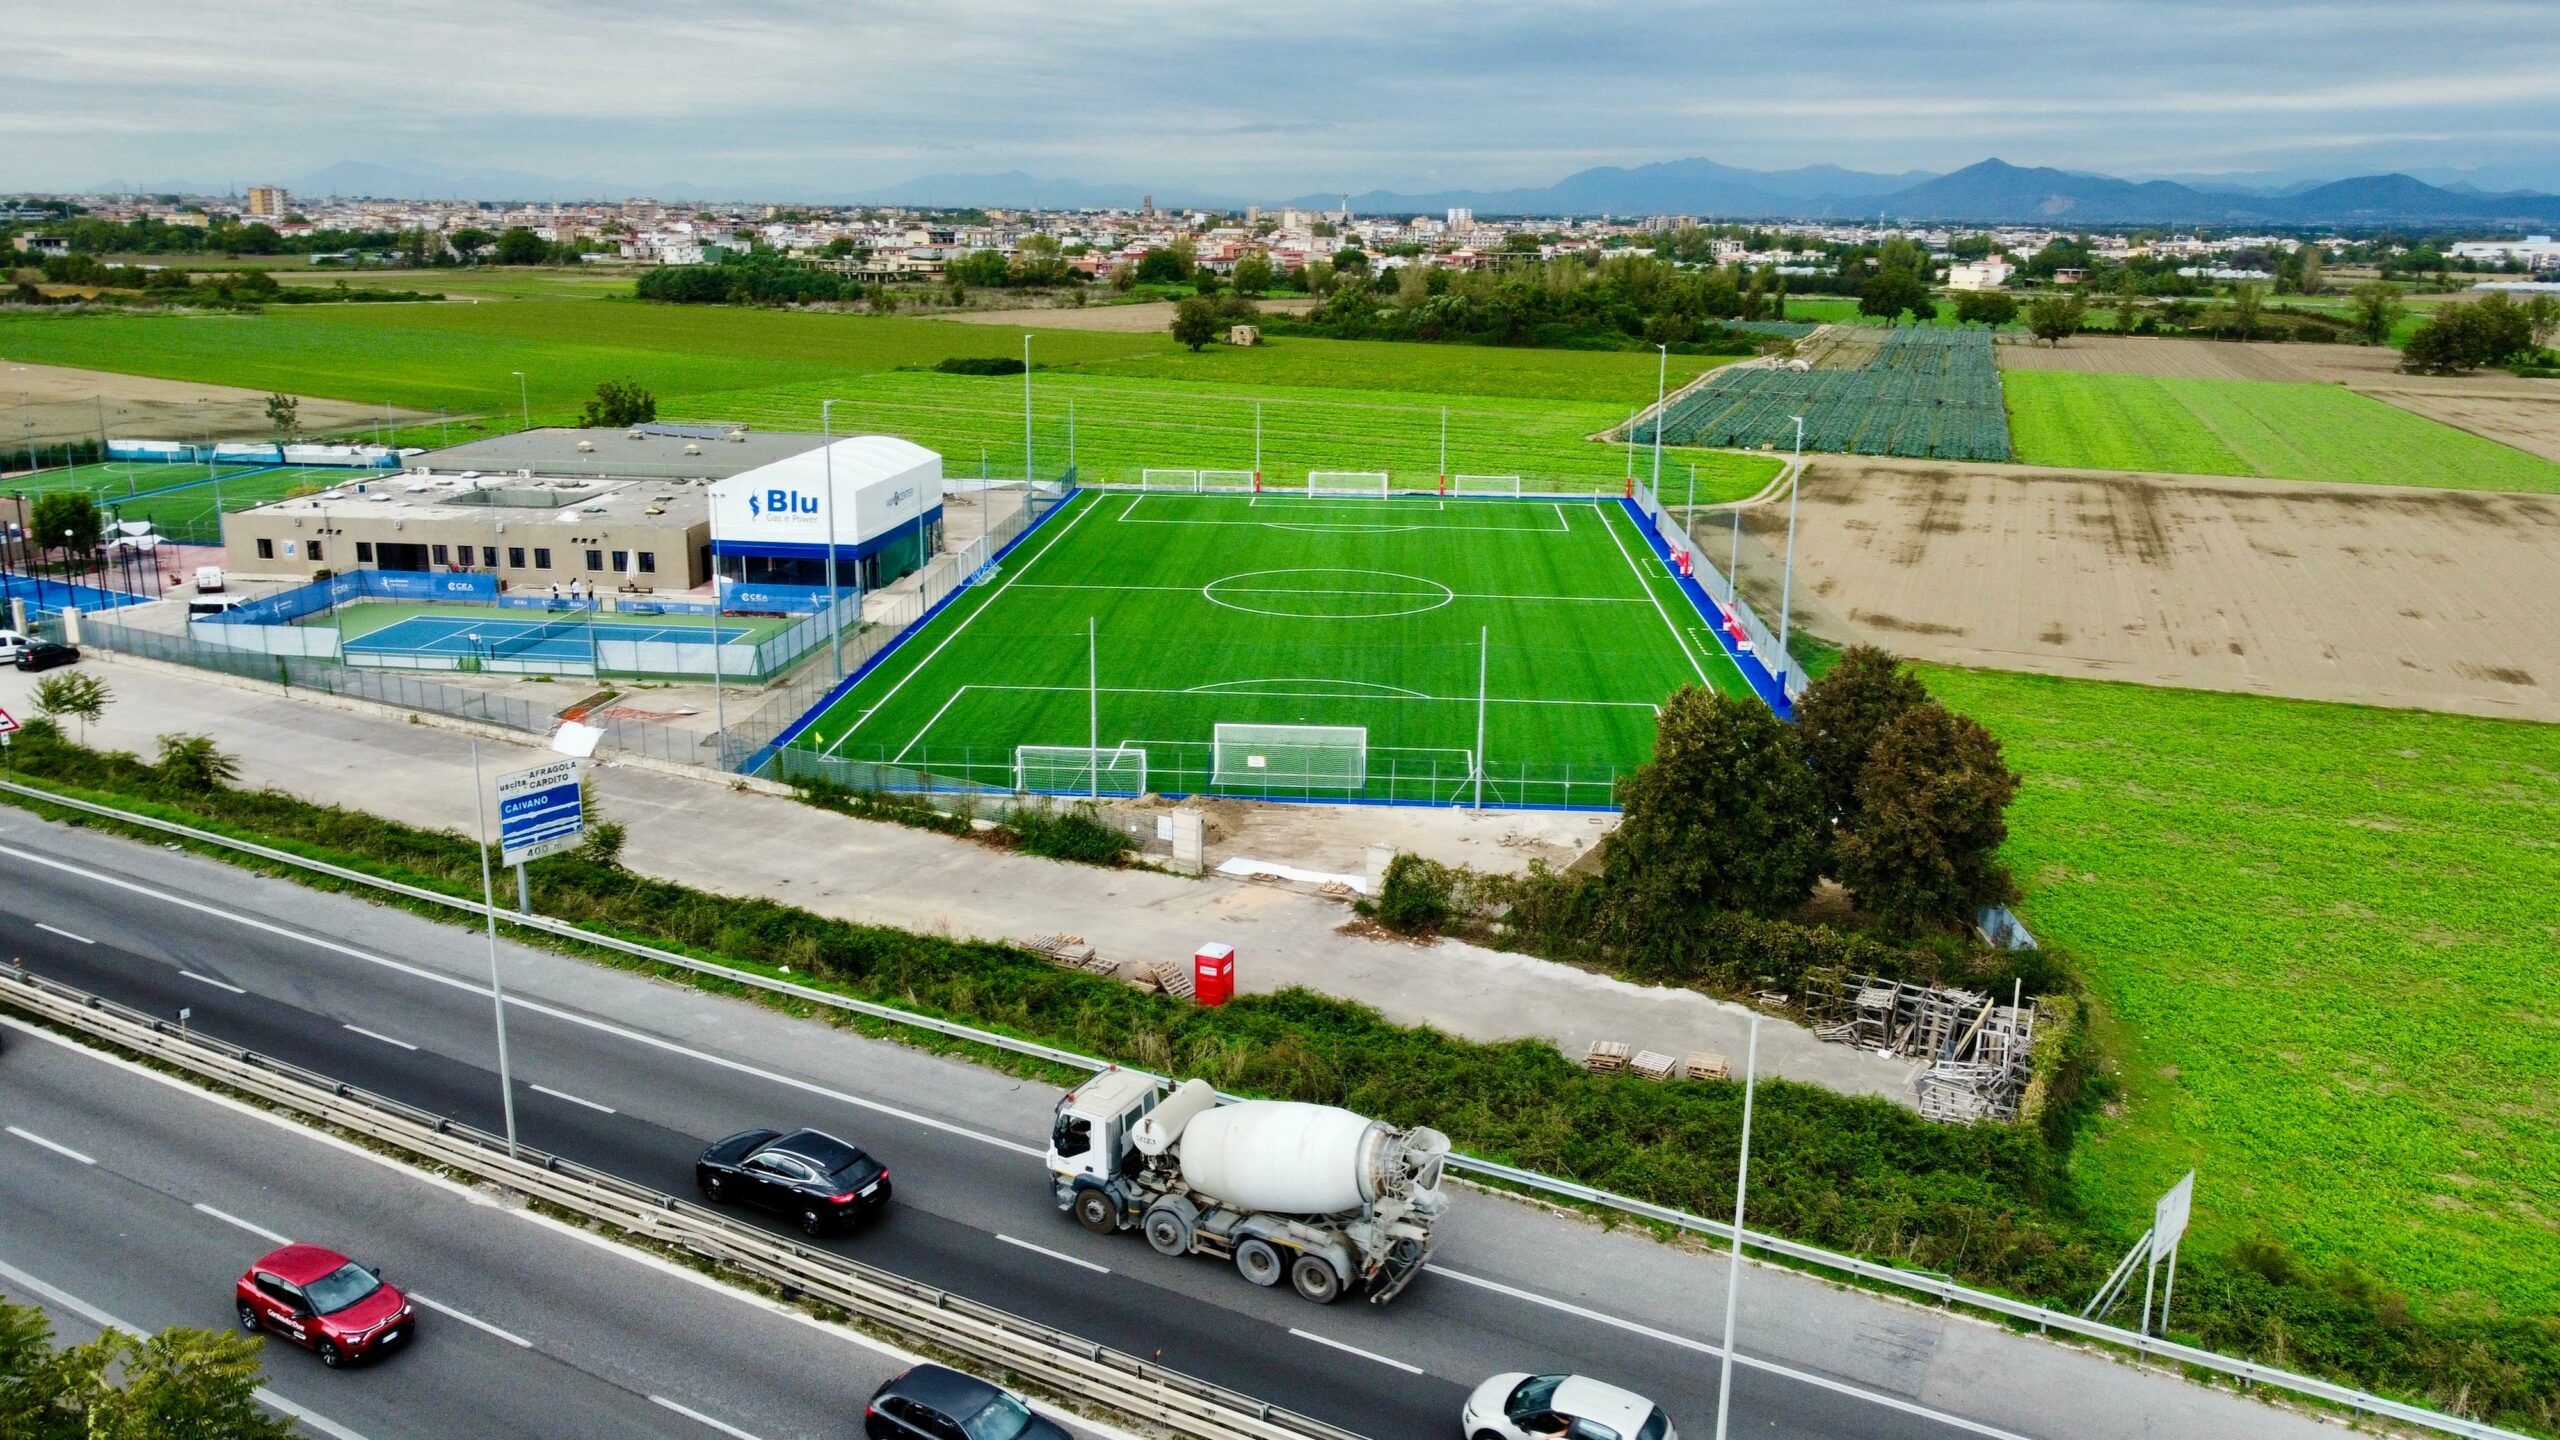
x=1320 y=695
x=918 y=738
x=1676 y=637
x=1389 y=594
x=1055 y=539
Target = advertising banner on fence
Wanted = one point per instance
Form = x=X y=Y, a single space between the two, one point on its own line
x=540 y=812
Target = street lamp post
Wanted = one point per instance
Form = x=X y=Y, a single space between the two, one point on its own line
x=827 y=425
x=1028 y=472
x=1733 y=1266
x=1787 y=585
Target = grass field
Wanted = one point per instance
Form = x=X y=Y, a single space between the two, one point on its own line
x=2252 y=427
x=178 y=499
x=1212 y=610
x=1125 y=426
x=2325 y=936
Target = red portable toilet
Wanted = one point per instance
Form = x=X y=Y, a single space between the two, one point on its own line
x=1213 y=974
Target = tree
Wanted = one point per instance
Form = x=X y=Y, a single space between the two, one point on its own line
x=1723 y=817
x=1253 y=273
x=2128 y=301
x=619 y=403
x=201 y=1384
x=193 y=763
x=1891 y=292
x=1124 y=277
x=1205 y=281
x=80 y=695
x=978 y=267
x=2376 y=307
x=1195 y=321
x=520 y=246
x=469 y=241
x=66 y=519
x=1161 y=267
x=2466 y=337
x=1986 y=307
x=2246 y=301
x=1350 y=260
x=284 y=414
x=1840 y=717
x=2542 y=320
x=2312 y=260
x=1930 y=822
x=2054 y=318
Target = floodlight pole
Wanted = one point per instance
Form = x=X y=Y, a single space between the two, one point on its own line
x=489 y=907
x=1444 y=444
x=1733 y=1267
x=827 y=427
x=1092 y=709
x=1257 y=444
x=719 y=694
x=1028 y=471
x=1787 y=584
x=524 y=394
x=1661 y=382
x=1484 y=657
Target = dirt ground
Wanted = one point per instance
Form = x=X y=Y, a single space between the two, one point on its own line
x=2494 y=405
x=2431 y=599
x=1142 y=317
x=71 y=404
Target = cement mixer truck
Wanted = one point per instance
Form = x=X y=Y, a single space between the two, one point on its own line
x=1328 y=1200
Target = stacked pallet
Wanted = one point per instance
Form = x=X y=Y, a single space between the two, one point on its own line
x=1168 y=977
x=1070 y=951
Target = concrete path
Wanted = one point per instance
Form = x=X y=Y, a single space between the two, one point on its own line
x=735 y=841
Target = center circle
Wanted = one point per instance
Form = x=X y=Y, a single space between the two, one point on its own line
x=1328 y=594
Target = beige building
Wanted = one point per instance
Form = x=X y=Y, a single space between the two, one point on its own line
x=268 y=202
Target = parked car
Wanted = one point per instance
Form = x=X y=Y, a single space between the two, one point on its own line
x=11 y=642
x=1518 y=1406
x=933 y=1403
x=821 y=1182
x=45 y=654
x=324 y=1302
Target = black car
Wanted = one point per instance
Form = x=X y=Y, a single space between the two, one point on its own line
x=818 y=1180
x=932 y=1403
x=45 y=654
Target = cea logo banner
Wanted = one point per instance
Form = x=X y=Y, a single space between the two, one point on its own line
x=780 y=504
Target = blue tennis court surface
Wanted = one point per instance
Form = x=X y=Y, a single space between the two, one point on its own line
x=569 y=639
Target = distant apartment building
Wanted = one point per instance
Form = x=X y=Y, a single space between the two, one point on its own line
x=268 y=202
x=2536 y=252
x=1461 y=217
x=1988 y=274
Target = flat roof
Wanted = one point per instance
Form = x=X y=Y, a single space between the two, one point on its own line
x=660 y=452
x=561 y=500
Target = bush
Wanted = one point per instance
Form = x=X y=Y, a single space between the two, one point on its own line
x=1415 y=897
x=979 y=365
x=601 y=843
x=1077 y=832
x=194 y=765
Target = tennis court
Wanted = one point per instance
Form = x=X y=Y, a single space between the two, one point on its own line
x=413 y=630
x=1289 y=646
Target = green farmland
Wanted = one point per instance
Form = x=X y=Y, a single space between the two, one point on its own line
x=2325 y=936
x=2252 y=427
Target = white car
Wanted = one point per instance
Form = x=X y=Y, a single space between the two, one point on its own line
x=1519 y=1407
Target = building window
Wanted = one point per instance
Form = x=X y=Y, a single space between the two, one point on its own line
x=315 y=551
x=541 y=558
x=266 y=548
x=364 y=552
x=621 y=561
x=515 y=557
x=595 y=560
x=648 y=562
x=489 y=556
x=439 y=552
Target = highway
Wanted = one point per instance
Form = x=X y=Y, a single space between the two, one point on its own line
x=633 y=1075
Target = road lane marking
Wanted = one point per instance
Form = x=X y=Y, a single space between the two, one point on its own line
x=226 y=1217
x=698 y=1417
x=572 y=1099
x=475 y=1321
x=216 y=984
x=65 y=934
x=1355 y=1350
x=1802 y=1377
x=33 y=1138
x=531 y=1006
x=378 y=1035
x=1055 y=1254
x=64 y=1300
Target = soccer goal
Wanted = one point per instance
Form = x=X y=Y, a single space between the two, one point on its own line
x=1183 y=480
x=1078 y=770
x=1363 y=483
x=1485 y=485
x=1290 y=757
x=1234 y=482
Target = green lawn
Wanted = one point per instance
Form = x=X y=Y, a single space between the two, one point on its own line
x=1124 y=426
x=1616 y=380
x=2325 y=935
x=2252 y=427
x=1282 y=610
x=179 y=499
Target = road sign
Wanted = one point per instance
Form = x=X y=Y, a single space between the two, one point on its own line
x=2169 y=1217
x=7 y=725
x=540 y=812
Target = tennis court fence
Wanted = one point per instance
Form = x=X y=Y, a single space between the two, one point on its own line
x=1720 y=588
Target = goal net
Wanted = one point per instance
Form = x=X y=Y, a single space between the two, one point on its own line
x=1290 y=757
x=1077 y=770
x=1185 y=480
x=1347 y=482
x=1233 y=481
x=1485 y=485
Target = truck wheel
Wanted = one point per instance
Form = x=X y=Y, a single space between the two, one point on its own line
x=1258 y=1262
x=1095 y=1212
x=1167 y=1230
x=1314 y=1277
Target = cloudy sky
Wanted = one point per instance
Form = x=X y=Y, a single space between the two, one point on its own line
x=795 y=97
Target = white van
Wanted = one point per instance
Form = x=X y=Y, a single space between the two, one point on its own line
x=200 y=607
x=208 y=579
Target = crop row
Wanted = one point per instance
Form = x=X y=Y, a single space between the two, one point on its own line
x=1931 y=393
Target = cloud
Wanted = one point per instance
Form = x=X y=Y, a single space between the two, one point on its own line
x=804 y=97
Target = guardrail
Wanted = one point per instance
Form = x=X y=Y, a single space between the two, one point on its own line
x=1052 y=1358
x=1937 y=1287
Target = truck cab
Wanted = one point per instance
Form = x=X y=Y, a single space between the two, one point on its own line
x=1091 y=1136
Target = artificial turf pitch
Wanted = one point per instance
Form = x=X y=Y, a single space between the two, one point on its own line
x=1290 y=610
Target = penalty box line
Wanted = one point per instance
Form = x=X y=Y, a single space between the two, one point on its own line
x=1128 y=515
x=1284 y=590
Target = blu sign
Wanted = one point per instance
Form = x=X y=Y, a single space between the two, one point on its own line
x=777 y=503
x=540 y=811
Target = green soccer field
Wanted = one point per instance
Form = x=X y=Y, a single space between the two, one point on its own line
x=1393 y=617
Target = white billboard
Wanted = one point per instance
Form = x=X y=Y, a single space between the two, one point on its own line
x=879 y=484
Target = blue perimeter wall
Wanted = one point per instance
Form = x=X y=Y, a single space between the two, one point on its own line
x=1755 y=670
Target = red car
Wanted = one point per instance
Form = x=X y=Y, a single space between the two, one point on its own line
x=325 y=1302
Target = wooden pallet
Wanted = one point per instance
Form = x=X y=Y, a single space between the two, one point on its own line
x=1168 y=977
x=1706 y=1065
x=1607 y=1057
x=1653 y=1065
x=1070 y=951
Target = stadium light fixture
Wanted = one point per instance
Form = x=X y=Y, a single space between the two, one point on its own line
x=1787 y=584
